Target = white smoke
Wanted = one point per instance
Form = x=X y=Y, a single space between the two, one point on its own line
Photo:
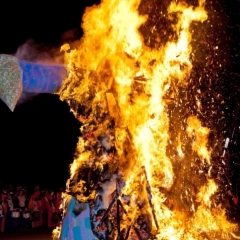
x=25 y=97
x=38 y=52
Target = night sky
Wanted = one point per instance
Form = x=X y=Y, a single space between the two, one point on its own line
x=25 y=158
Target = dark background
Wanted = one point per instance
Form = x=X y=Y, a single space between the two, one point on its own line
x=38 y=139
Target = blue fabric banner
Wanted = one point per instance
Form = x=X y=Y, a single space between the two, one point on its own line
x=41 y=78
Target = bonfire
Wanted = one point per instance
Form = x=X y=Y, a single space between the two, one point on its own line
x=143 y=161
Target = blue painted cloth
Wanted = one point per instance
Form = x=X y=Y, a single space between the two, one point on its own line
x=76 y=227
x=41 y=78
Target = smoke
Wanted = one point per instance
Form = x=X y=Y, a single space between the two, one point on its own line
x=38 y=52
x=33 y=51
x=26 y=97
x=72 y=36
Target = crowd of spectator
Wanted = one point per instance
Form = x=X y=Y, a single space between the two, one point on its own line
x=20 y=209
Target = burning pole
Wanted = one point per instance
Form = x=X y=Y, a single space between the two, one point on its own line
x=122 y=233
x=148 y=189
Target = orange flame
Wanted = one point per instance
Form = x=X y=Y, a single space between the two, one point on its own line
x=200 y=135
x=112 y=70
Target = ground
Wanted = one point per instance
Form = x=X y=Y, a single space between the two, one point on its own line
x=27 y=234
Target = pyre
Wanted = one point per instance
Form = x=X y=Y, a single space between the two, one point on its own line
x=123 y=86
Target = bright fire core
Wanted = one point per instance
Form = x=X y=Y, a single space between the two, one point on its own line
x=118 y=75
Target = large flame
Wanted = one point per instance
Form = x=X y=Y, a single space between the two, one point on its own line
x=114 y=73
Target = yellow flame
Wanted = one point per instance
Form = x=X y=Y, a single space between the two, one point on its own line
x=206 y=192
x=179 y=147
x=112 y=70
x=200 y=135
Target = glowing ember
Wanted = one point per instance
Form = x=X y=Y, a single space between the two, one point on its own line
x=123 y=90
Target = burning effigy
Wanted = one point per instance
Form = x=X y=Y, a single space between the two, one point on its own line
x=143 y=167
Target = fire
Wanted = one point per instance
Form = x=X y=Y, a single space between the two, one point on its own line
x=116 y=78
x=200 y=135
